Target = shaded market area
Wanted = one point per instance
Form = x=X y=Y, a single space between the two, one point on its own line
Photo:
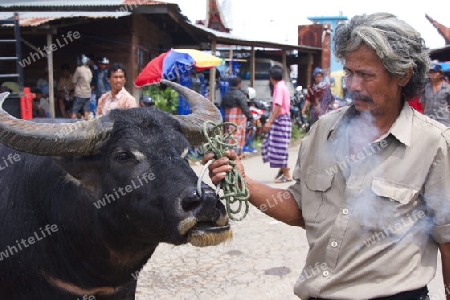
x=130 y=32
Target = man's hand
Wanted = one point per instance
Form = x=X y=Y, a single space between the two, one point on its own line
x=267 y=126
x=220 y=167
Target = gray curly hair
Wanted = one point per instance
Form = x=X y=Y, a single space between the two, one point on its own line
x=399 y=46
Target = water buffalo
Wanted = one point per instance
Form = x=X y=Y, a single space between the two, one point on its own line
x=84 y=205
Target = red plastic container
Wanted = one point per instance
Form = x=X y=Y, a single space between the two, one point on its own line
x=26 y=104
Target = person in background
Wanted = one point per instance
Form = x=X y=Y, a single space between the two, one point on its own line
x=436 y=98
x=278 y=128
x=117 y=97
x=65 y=85
x=40 y=105
x=100 y=83
x=43 y=83
x=82 y=81
x=318 y=97
x=92 y=66
x=236 y=109
x=68 y=102
x=372 y=179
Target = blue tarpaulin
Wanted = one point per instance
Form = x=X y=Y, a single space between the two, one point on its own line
x=445 y=66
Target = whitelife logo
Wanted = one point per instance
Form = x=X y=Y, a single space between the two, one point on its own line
x=10 y=160
x=38 y=236
x=47 y=50
x=147 y=177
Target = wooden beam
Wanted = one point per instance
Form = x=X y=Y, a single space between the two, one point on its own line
x=212 y=75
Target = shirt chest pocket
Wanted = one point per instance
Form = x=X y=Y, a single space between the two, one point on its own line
x=397 y=193
x=316 y=197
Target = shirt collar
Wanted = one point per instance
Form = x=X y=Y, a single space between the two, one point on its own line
x=117 y=96
x=401 y=129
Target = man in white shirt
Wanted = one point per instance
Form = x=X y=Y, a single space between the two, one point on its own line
x=118 y=97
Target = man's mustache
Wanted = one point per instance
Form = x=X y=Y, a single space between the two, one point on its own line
x=355 y=96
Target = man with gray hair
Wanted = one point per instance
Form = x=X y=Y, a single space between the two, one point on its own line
x=372 y=179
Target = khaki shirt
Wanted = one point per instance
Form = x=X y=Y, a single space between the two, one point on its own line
x=373 y=220
x=82 y=81
x=107 y=102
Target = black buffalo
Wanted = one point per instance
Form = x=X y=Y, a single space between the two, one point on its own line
x=84 y=205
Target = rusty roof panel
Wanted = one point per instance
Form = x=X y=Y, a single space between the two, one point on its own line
x=68 y=3
x=38 y=18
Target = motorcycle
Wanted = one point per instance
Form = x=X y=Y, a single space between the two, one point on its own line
x=297 y=103
x=260 y=111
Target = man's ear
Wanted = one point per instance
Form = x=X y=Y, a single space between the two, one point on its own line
x=405 y=79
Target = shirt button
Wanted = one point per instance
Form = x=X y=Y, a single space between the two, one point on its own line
x=334 y=244
x=326 y=273
x=345 y=211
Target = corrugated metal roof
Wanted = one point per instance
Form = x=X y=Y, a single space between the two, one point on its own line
x=242 y=41
x=37 y=18
x=55 y=3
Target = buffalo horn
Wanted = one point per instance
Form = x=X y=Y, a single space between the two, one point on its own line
x=52 y=139
x=202 y=110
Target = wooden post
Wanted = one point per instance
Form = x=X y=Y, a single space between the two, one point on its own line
x=133 y=73
x=252 y=67
x=51 y=94
x=230 y=71
x=309 y=69
x=212 y=75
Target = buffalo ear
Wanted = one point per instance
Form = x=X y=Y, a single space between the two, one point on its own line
x=86 y=170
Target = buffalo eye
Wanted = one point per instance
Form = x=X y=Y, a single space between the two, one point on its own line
x=122 y=156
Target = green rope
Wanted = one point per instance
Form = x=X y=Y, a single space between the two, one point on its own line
x=234 y=187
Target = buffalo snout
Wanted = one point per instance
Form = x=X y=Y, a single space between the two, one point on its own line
x=206 y=222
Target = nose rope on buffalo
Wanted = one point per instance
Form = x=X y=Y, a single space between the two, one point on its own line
x=234 y=187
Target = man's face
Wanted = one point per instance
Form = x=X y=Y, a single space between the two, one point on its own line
x=102 y=66
x=435 y=76
x=38 y=96
x=117 y=80
x=318 y=78
x=370 y=85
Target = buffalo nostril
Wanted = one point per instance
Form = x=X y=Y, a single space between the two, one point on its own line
x=191 y=202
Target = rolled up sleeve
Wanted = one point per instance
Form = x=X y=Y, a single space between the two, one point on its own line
x=437 y=191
